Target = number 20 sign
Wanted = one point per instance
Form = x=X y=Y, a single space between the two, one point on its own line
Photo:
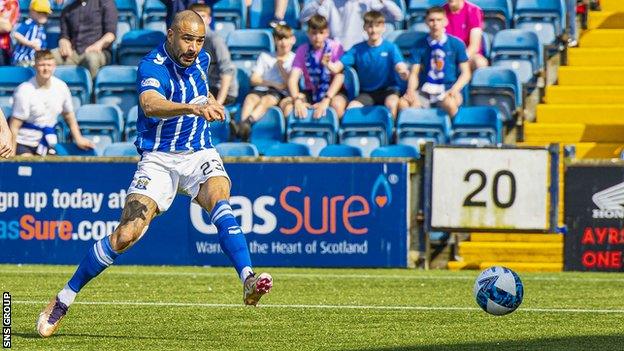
x=490 y=189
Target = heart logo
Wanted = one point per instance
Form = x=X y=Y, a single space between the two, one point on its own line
x=381 y=200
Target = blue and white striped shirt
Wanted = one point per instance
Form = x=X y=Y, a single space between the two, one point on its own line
x=31 y=30
x=159 y=72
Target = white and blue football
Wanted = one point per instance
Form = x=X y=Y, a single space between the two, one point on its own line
x=498 y=290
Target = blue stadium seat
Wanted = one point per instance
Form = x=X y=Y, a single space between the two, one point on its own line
x=478 y=125
x=11 y=77
x=220 y=131
x=116 y=85
x=287 y=149
x=230 y=11
x=301 y=37
x=339 y=150
x=78 y=80
x=120 y=149
x=270 y=129
x=406 y=40
x=416 y=10
x=70 y=149
x=396 y=151
x=498 y=87
x=520 y=51
x=223 y=29
x=130 y=124
x=154 y=15
x=497 y=14
x=128 y=13
x=351 y=83
x=237 y=149
x=52 y=39
x=391 y=26
x=366 y=127
x=100 y=123
x=244 y=86
x=246 y=44
x=261 y=12
x=416 y=126
x=547 y=18
x=7 y=109
x=136 y=44
x=315 y=133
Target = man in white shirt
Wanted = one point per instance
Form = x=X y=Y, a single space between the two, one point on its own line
x=36 y=105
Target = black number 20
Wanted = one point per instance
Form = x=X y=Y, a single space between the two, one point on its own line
x=470 y=202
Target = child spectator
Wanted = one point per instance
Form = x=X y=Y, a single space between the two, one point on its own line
x=269 y=77
x=9 y=13
x=465 y=21
x=440 y=70
x=222 y=72
x=375 y=60
x=321 y=88
x=30 y=35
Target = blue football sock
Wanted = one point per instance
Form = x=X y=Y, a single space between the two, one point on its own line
x=231 y=236
x=100 y=256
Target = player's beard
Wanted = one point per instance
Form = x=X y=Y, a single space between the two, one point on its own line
x=187 y=56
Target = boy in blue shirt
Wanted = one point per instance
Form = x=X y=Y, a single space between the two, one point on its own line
x=375 y=61
x=440 y=70
x=30 y=35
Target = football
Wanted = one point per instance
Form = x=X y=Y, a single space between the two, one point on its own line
x=498 y=290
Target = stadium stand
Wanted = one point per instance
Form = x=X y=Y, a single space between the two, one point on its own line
x=220 y=131
x=396 y=151
x=116 y=85
x=11 y=77
x=120 y=149
x=70 y=149
x=416 y=10
x=79 y=81
x=130 y=127
x=136 y=44
x=287 y=149
x=547 y=18
x=262 y=12
x=366 y=127
x=478 y=125
x=338 y=150
x=100 y=123
x=315 y=133
x=154 y=15
x=418 y=126
x=233 y=11
x=497 y=14
x=246 y=44
x=520 y=51
x=237 y=149
x=499 y=87
x=269 y=130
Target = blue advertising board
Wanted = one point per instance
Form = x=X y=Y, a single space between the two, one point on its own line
x=293 y=214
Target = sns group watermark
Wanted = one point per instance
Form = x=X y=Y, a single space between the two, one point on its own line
x=6 y=320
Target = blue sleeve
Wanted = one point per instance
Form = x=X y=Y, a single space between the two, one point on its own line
x=348 y=59
x=462 y=56
x=397 y=57
x=151 y=76
x=22 y=29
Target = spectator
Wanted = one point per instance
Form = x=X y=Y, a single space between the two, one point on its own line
x=278 y=15
x=440 y=70
x=9 y=13
x=375 y=60
x=175 y=6
x=222 y=72
x=269 y=77
x=6 y=138
x=346 y=16
x=88 y=29
x=36 y=105
x=322 y=88
x=31 y=34
x=465 y=21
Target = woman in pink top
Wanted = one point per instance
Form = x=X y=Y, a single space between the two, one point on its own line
x=465 y=21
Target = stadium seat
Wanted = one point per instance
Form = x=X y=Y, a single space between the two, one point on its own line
x=246 y=44
x=520 y=51
x=497 y=14
x=391 y=26
x=136 y=44
x=233 y=11
x=154 y=15
x=261 y=13
x=223 y=29
x=416 y=126
x=478 y=125
x=338 y=150
x=351 y=83
x=120 y=149
x=406 y=40
x=366 y=127
x=128 y=13
x=416 y=10
x=547 y=18
x=130 y=124
x=287 y=149
x=78 y=80
x=396 y=151
x=11 y=77
x=100 y=123
x=301 y=37
x=237 y=149
x=52 y=39
x=244 y=86
x=315 y=133
x=270 y=129
x=220 y=131
x=70 y=149
x=7 y=109
x=498 y=87
x=116 y=85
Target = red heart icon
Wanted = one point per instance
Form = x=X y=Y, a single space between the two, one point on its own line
x=381 y=200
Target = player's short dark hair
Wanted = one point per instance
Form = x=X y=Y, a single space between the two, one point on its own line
x=282 y=31
x=200 y=7
x=435 y=9
x=43 y=55
x=317 y=22
x=374 y=17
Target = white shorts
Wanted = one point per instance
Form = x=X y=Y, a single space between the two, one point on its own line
x=161 y=175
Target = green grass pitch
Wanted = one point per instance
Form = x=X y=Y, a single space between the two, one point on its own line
x=199 y=308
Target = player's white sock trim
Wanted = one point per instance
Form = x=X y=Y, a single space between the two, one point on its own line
x=246 y=272
x=67 y=295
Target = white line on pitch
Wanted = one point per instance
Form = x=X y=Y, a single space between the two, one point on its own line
x=346 y=307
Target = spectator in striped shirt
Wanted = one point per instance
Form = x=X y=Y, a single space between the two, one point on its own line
x=9 y=13
x=30 y=35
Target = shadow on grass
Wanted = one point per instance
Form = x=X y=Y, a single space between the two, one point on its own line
x=573 y=343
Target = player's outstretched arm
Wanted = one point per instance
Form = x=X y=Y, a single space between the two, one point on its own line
x=155 y=105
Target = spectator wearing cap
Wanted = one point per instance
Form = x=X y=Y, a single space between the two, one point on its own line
x=30 y=35
x=465 y=21
x=9 y=13
x=88 y=29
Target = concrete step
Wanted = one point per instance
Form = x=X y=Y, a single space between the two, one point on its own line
x=545 y=133
x=606 y=20
x=594 y=57
x=516 y=237
x=585 y=113
x=511 y=252
x=612 y=5
x=584 y=94
x=602 y=38
x=597 y=75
